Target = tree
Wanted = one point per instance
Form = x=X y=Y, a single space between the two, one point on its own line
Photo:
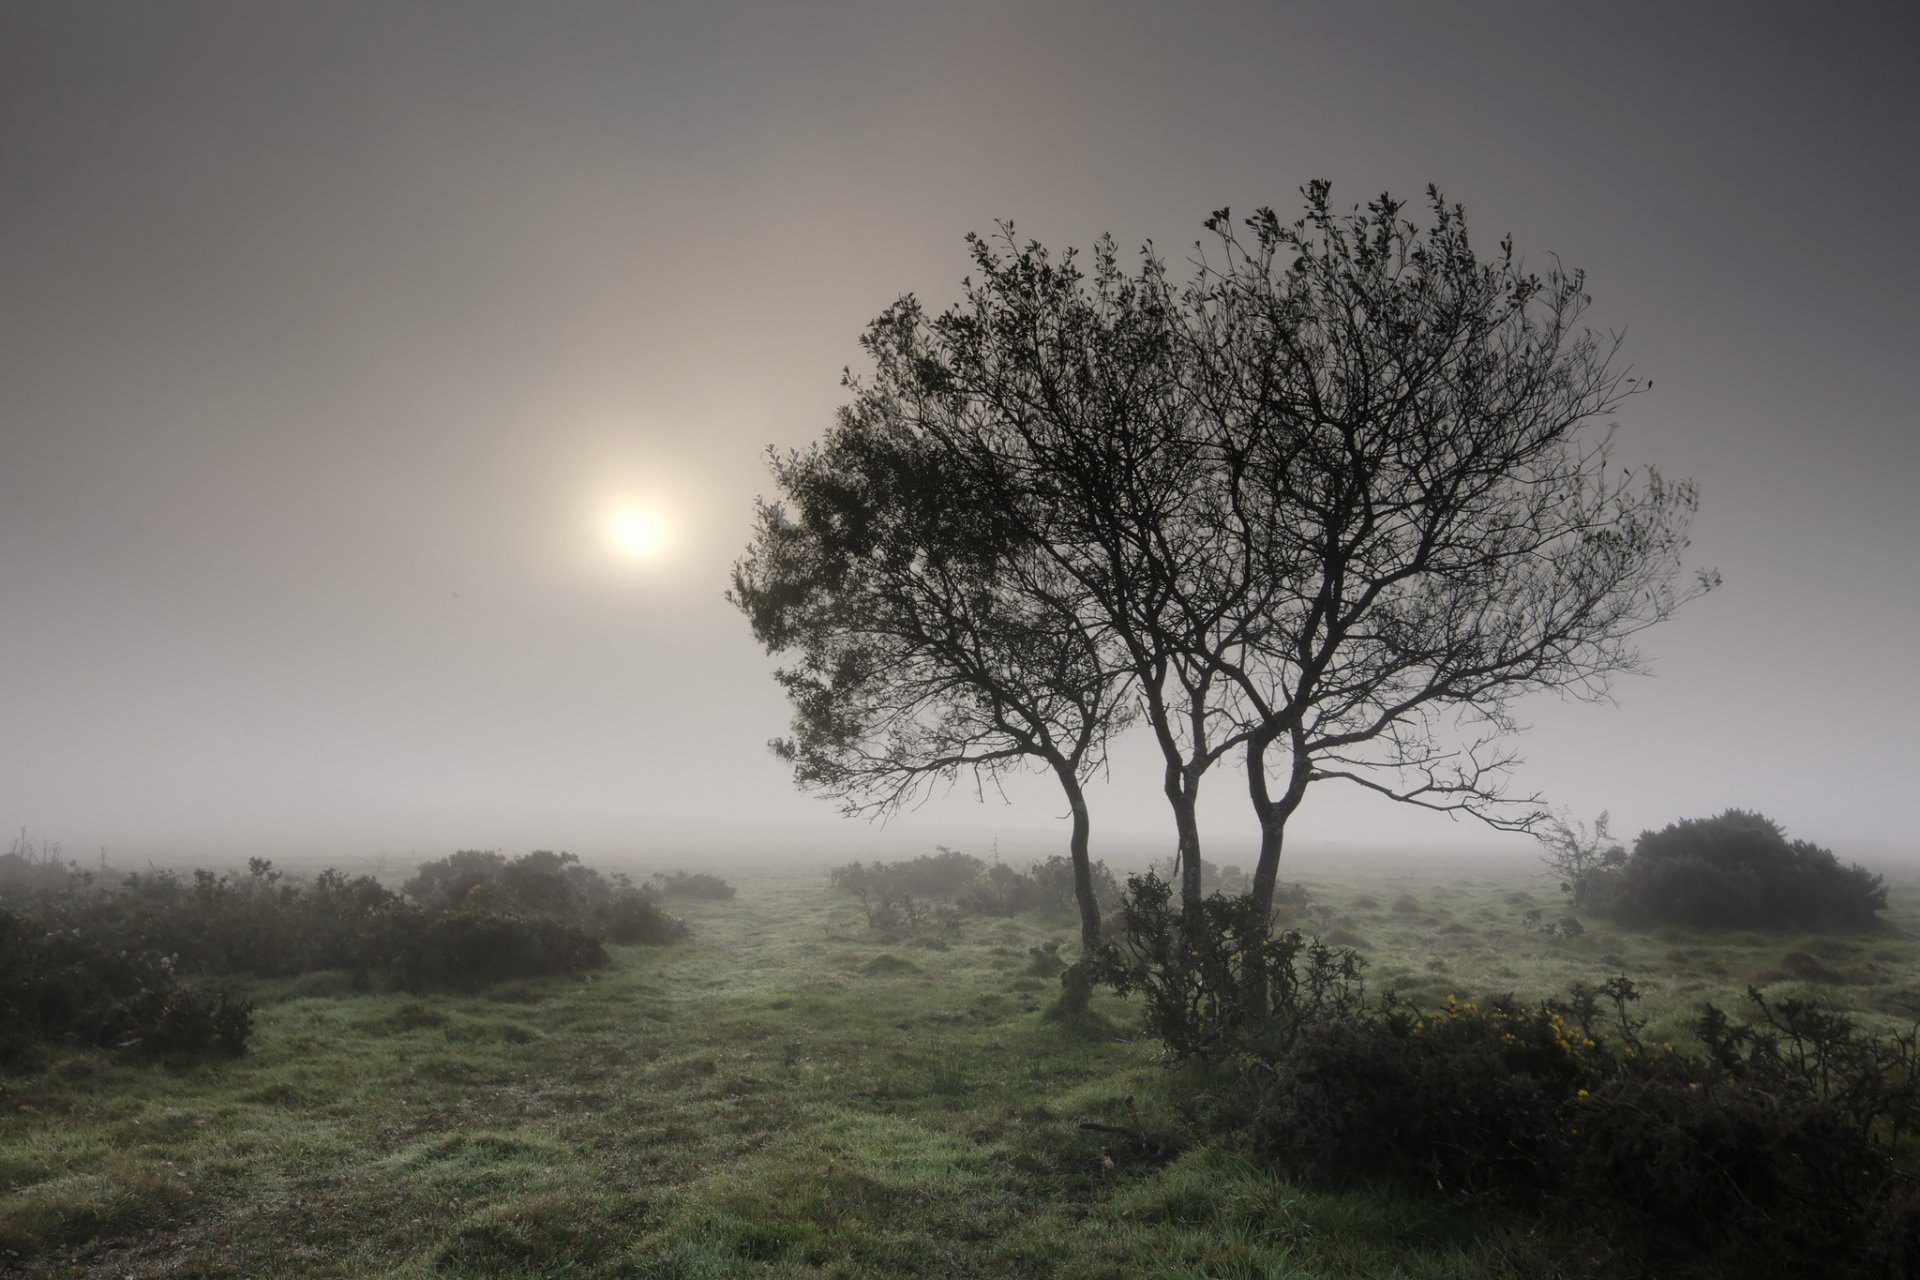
x=1337 y=502
x=928 y=639
x=1406 y=440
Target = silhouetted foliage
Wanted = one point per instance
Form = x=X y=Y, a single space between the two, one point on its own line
x=113 y=965
x=1583 y=859
x=1229 y=879
x=1336 y=502
x=63 y=979
x=473 y=948
x=546 y=884
x=902 y=896
x=931 y=875
x=1736 y=870
x=1232 y=988
x=1782 y=1149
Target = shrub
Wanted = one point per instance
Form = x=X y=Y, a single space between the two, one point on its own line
x=1214 y=878
x=1776 y=1150
x=1585 y=861
x=1233 y=988
x=1739 y=870
x=693 y=884
x=473 y=948
x=934 y=875
x=1054 y=876
x=896 y=894
x=448 y=882
x=109 y=965
x=554 y=886
x=64 y=978
x=630 y=917
x=1466 y=1098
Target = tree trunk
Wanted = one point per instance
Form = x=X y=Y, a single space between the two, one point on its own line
x=1182 y=789
x=1273 y=815
x=1077 y=851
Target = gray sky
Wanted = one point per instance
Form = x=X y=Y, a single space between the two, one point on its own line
x=330 y=338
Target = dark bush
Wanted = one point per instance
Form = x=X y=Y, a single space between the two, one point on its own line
x=61 y=979
x=1737 y=870
x=936 y=875
x=474 y=948
x=1777 y=1151
x=897 y=895
x=693 y=884
x=1235 y=988
x=553 y=886
x=109 y=966
x=1054 y=875
x=1586 y=861
x=449 y=882
x=629 y=917
x=1214 y=878
x=1466 y=1099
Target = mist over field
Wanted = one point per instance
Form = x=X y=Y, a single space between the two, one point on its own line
x=837 y=640
x=386 y=394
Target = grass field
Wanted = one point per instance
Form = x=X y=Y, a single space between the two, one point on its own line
x=790 y=1095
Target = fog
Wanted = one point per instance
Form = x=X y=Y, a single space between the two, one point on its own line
x=384 y=393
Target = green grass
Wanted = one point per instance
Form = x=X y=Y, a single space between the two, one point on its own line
x=789 y=1095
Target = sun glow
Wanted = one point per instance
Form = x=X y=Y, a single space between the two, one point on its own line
x=636 y=531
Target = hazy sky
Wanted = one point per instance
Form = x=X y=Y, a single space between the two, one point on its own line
x=332 y=336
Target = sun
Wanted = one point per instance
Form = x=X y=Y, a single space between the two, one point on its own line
x=636 y=531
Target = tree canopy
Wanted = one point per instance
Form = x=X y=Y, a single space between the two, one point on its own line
x=1333 y=503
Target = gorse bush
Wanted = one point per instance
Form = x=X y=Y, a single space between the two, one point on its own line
x=116 y=965
x=61 y=979
x=932 y=875
x=1585 y=860
x=1783 y=1147
x=693 y=884
x=1737 y=870
x=474 y=948
x=1214 y=878
x=1045 y=887
x=1235 y=987
x=546 y=885
x=261 y=924
x=901 y=896
x=1465 y=1097
x=1780 y=1149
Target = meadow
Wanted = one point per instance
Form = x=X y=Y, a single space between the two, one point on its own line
x=790 y=1092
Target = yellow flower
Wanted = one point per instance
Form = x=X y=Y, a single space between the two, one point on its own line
x=1581 y=1094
